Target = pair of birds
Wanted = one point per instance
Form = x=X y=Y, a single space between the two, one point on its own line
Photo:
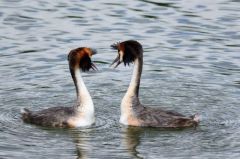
x=133 y=113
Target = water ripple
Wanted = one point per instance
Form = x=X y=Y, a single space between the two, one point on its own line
x=191 y=64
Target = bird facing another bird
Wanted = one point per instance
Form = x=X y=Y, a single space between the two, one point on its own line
x=82 y=112
x=133 y=113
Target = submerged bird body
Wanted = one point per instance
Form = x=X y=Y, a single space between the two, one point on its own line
x=52 y=117
x=133 y=113
x=82 y=113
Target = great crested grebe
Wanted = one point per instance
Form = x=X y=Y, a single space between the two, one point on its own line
x=133 y=113
x=82 y=113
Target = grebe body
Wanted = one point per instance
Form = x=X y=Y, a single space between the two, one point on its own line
x=79 y=115
x=133 y=113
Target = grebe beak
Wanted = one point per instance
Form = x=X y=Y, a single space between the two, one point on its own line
x=93 y=66
x=117 y=60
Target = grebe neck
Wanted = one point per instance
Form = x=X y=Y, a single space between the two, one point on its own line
x=133 y=89
x=84 y=101
x=130 y=102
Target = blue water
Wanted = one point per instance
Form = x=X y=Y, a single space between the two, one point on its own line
x=191 y=65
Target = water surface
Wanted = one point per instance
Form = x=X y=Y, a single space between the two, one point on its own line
x=191 y=65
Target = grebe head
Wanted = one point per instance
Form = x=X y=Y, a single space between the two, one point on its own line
x=81 y=58
x=128 y=51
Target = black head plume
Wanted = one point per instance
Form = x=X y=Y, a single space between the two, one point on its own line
x=81 y=57
x=128 y=51
x=115 y=46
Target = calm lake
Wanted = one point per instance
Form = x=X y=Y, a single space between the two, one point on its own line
x=191 y=65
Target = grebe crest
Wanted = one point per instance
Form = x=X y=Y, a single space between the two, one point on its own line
x=132 y=111
x=82 y=113
x=128 y=51
x=81 y=57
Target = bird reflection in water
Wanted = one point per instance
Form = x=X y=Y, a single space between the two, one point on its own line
x=132 y=139
x=83 y=146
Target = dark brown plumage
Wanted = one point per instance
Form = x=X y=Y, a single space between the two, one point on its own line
x=157 y=117
x=51 y=117
x=81 y=57
x=132 y=50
